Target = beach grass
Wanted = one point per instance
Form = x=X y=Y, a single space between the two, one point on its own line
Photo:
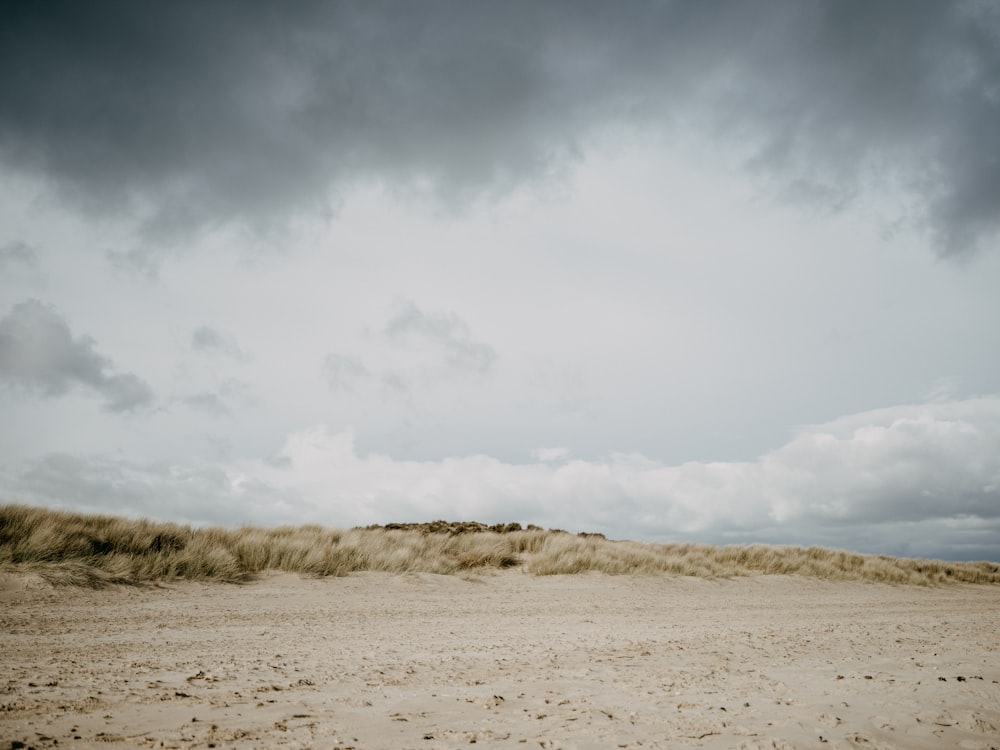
x=67 y=548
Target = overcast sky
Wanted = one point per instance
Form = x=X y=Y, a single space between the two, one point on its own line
x=721 y=271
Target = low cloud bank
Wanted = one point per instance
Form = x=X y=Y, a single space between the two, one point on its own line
x=915 y=480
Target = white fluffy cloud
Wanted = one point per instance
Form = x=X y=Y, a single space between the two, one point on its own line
x=917 y=479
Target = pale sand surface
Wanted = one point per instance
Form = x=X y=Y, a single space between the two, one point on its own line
x=506 y=661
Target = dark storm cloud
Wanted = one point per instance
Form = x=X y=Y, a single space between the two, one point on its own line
x=188 y=114
x=38 y=351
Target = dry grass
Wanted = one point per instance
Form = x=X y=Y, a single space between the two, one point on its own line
x=88 y=550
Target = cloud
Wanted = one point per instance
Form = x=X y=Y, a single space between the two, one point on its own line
x=38 y=352
x=189 y=117
x=444 y=332
x=416 y=352
x=912 y=480
x=220 y=401
x=208 y=402
x=200 y=494
x=18 y=253
x=143 y=260
x=547 y=455
x=919 y=480
x=345 y=372
x=210 y=341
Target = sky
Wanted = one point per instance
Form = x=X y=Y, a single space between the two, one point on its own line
x=715 y=271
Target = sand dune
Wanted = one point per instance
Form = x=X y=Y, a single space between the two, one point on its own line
x=87 y=550
x=503 y=659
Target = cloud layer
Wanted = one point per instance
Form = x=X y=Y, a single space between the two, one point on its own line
x=186 y=116
x=38 y=352
x=921 y=480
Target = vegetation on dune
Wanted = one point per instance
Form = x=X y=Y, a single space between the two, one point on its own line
x=91 y=550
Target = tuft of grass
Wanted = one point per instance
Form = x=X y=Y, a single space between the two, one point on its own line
x=75 y=549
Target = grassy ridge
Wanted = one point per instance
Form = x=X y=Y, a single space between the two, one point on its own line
x=90 y=550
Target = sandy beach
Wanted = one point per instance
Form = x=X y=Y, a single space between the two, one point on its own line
x=504 y=659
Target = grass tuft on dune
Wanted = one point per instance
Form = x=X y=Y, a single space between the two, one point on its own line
x=92 y=550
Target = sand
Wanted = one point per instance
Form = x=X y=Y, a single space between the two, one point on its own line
x=505 y=660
